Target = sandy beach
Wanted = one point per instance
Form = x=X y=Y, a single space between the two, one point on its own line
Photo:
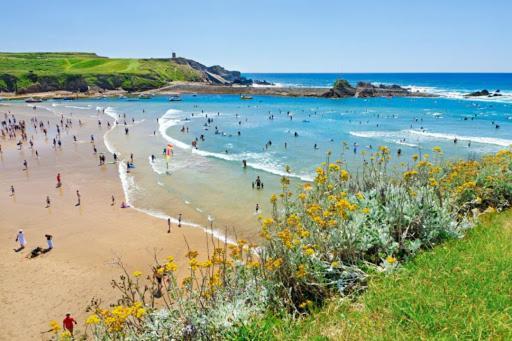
x=88 y=239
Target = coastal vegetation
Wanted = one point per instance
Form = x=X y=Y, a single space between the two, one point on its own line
x=331 y=240
x=78 y=72
x=459 y=290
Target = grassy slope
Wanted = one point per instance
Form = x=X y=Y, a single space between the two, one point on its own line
x=91 y=66
x=460 y=290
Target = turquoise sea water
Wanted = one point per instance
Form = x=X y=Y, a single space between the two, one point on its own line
x=208 y=184
x=448 y=84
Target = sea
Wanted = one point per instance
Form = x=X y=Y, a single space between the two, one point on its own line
x=277 y=136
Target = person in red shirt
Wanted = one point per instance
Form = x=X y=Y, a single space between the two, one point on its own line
x=59 y=183
x=68 y=322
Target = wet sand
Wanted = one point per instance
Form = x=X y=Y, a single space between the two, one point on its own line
x=87 y=239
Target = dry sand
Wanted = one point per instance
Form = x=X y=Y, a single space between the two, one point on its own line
x=88 y=239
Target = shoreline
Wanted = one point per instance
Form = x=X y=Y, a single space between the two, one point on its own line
x=179 y=88
x=215 y=233
x=88 y=239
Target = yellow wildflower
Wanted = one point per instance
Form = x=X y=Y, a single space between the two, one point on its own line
x=344 y=175
x=55 y=326
x=309 y=251
x=301 y=272
x=170 y=267
x=92 y=319
x=305 y=304
x=432 y=182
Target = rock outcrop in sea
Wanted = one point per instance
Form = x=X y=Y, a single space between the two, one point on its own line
x=483 y=92
x=343 y=89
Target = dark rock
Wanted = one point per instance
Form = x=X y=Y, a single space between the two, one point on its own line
x=484 y=92
x=215 y=74
x=342 y=89
x=258 y=82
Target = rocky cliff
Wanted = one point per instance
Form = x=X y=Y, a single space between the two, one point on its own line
x=215 y=74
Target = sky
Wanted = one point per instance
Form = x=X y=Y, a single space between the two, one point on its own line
x=274 y=35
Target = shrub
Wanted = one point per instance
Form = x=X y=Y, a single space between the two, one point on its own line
x=323 y=240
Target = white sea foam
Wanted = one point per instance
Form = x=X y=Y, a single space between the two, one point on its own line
x=130 y=187
x=506 y=96
x=477 y=139
x=110 y=111
x=171 y=118
x=77 y=107
x=418 y=135
x=260 y=161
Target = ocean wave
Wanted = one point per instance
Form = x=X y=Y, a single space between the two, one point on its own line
x=130 y=187
x=110 y=112
x=172 y=117
x=260 y=161
x=411 y=134
x=77 y=107
x=506 y=97
x=477 y=139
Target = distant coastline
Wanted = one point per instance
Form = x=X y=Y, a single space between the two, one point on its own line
x=81 y=75
x=86 y=75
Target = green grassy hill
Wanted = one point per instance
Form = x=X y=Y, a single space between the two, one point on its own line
x=460 y=290
x=39 y=72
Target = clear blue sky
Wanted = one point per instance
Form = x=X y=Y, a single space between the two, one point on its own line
x=274 y=35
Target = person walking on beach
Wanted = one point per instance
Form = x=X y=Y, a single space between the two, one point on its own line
x=168 y=225
x=59 y=182
x=20 y=238
x=78 y=198
x=179 y=220
x=113 y=200
x=68 y=323
x=48 y=202
x=49 y=241
x=13 y=192
x=25 y=165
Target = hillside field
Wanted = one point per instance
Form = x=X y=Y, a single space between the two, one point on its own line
x=38 y=72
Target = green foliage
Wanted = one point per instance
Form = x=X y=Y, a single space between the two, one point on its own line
x=460 y=290
x=323 y=244
x=342 y=84
x=109 y=73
